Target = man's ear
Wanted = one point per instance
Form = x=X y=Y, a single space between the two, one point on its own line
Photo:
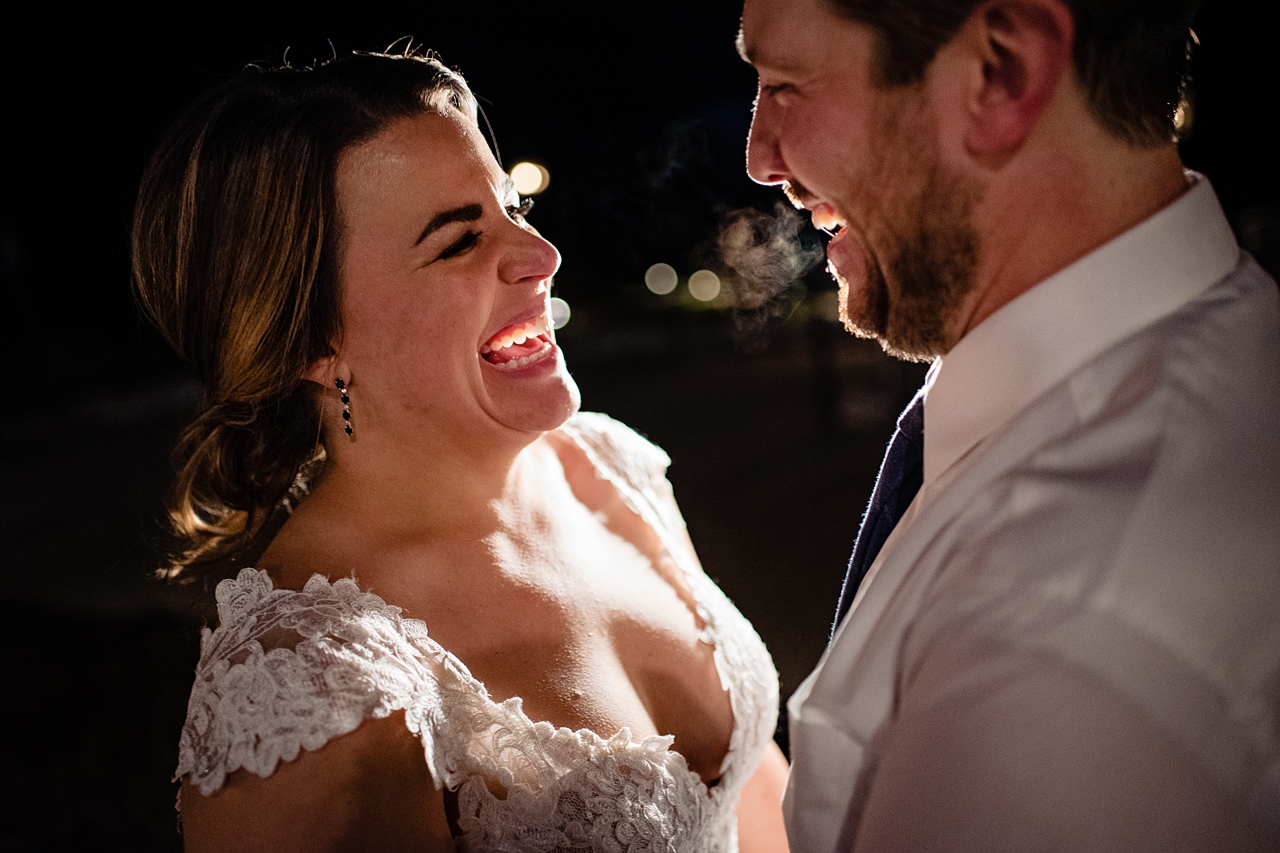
x=1025 y=50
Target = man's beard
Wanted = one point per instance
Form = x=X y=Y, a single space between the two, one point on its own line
x=918 y=277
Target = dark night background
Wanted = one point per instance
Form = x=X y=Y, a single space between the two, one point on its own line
x=640 y=113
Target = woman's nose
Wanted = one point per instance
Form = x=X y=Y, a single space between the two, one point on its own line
x=532 y=258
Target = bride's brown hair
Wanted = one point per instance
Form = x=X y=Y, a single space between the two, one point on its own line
x=236 y=255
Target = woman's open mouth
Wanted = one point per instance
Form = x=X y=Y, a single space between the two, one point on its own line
x=519 y=344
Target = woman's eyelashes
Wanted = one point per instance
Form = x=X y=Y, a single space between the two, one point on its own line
x=460 y=246
x=519 y=211
x=515 y=212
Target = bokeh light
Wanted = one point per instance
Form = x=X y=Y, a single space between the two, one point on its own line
x=704 y=285
x=661 y=279
x=560 y=312
x=1184 y=118
x=529 y=178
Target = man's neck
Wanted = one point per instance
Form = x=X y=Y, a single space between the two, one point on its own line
x=1071 y=190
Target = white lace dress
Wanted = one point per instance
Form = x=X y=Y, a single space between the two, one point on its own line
x=287 y=670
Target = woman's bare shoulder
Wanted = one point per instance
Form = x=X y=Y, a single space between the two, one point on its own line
x=369 y=789
x=308 y=544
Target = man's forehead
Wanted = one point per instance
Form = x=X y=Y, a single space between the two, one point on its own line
x=763 y=55
x=778 y=35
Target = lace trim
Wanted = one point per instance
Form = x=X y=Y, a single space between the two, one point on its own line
x=637 y=469
x=353 y=657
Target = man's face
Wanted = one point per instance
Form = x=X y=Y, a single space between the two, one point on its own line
x=866 y=161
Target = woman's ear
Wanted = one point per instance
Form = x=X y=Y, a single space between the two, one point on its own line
x=326 y=369
x=1024 y=50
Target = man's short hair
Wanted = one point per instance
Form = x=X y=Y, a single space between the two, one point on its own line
x=1132 y=56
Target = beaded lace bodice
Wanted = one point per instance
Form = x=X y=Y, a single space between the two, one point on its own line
x=287 y=670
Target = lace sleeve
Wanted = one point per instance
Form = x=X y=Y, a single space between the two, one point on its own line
x=288 y=670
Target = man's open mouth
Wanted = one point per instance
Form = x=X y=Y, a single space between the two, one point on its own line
x=519 y=344
x=825 y=218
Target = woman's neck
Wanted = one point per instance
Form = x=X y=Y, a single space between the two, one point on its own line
x=372 y=499
x=444 y=482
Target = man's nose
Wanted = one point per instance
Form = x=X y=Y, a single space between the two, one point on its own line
x=764 y=159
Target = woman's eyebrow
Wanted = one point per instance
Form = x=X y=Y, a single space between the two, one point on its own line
x=466 y=213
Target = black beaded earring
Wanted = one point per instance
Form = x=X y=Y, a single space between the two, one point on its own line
x=346 y=406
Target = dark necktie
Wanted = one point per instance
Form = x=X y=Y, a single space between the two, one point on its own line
x=901 y=474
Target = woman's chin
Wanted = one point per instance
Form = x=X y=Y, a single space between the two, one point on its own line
x=552 y=410
x=534 y=401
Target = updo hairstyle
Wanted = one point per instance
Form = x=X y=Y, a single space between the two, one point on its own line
x=236 y=258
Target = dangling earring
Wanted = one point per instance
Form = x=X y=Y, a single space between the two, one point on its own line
x=346 y=406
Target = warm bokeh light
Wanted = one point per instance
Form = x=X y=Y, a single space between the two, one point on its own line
x=1184 y=118
x=661 y=279
x=560 y=312
x=529 y=178
x=704 y=285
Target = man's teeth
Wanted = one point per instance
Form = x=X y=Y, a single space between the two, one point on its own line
x=518 y=335
x=825 y=218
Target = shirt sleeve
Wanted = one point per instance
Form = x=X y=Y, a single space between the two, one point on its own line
x=1001 y=750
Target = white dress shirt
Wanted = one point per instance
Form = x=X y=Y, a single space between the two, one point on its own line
x=1071 y=641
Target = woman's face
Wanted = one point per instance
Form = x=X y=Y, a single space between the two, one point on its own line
x=441 y=277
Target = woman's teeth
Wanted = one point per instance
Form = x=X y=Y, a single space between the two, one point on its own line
x=524 y=359
x=825 y=218
x=517 y=334
x=526 y=335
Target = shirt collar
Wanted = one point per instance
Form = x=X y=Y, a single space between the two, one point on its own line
x=1040 y=338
